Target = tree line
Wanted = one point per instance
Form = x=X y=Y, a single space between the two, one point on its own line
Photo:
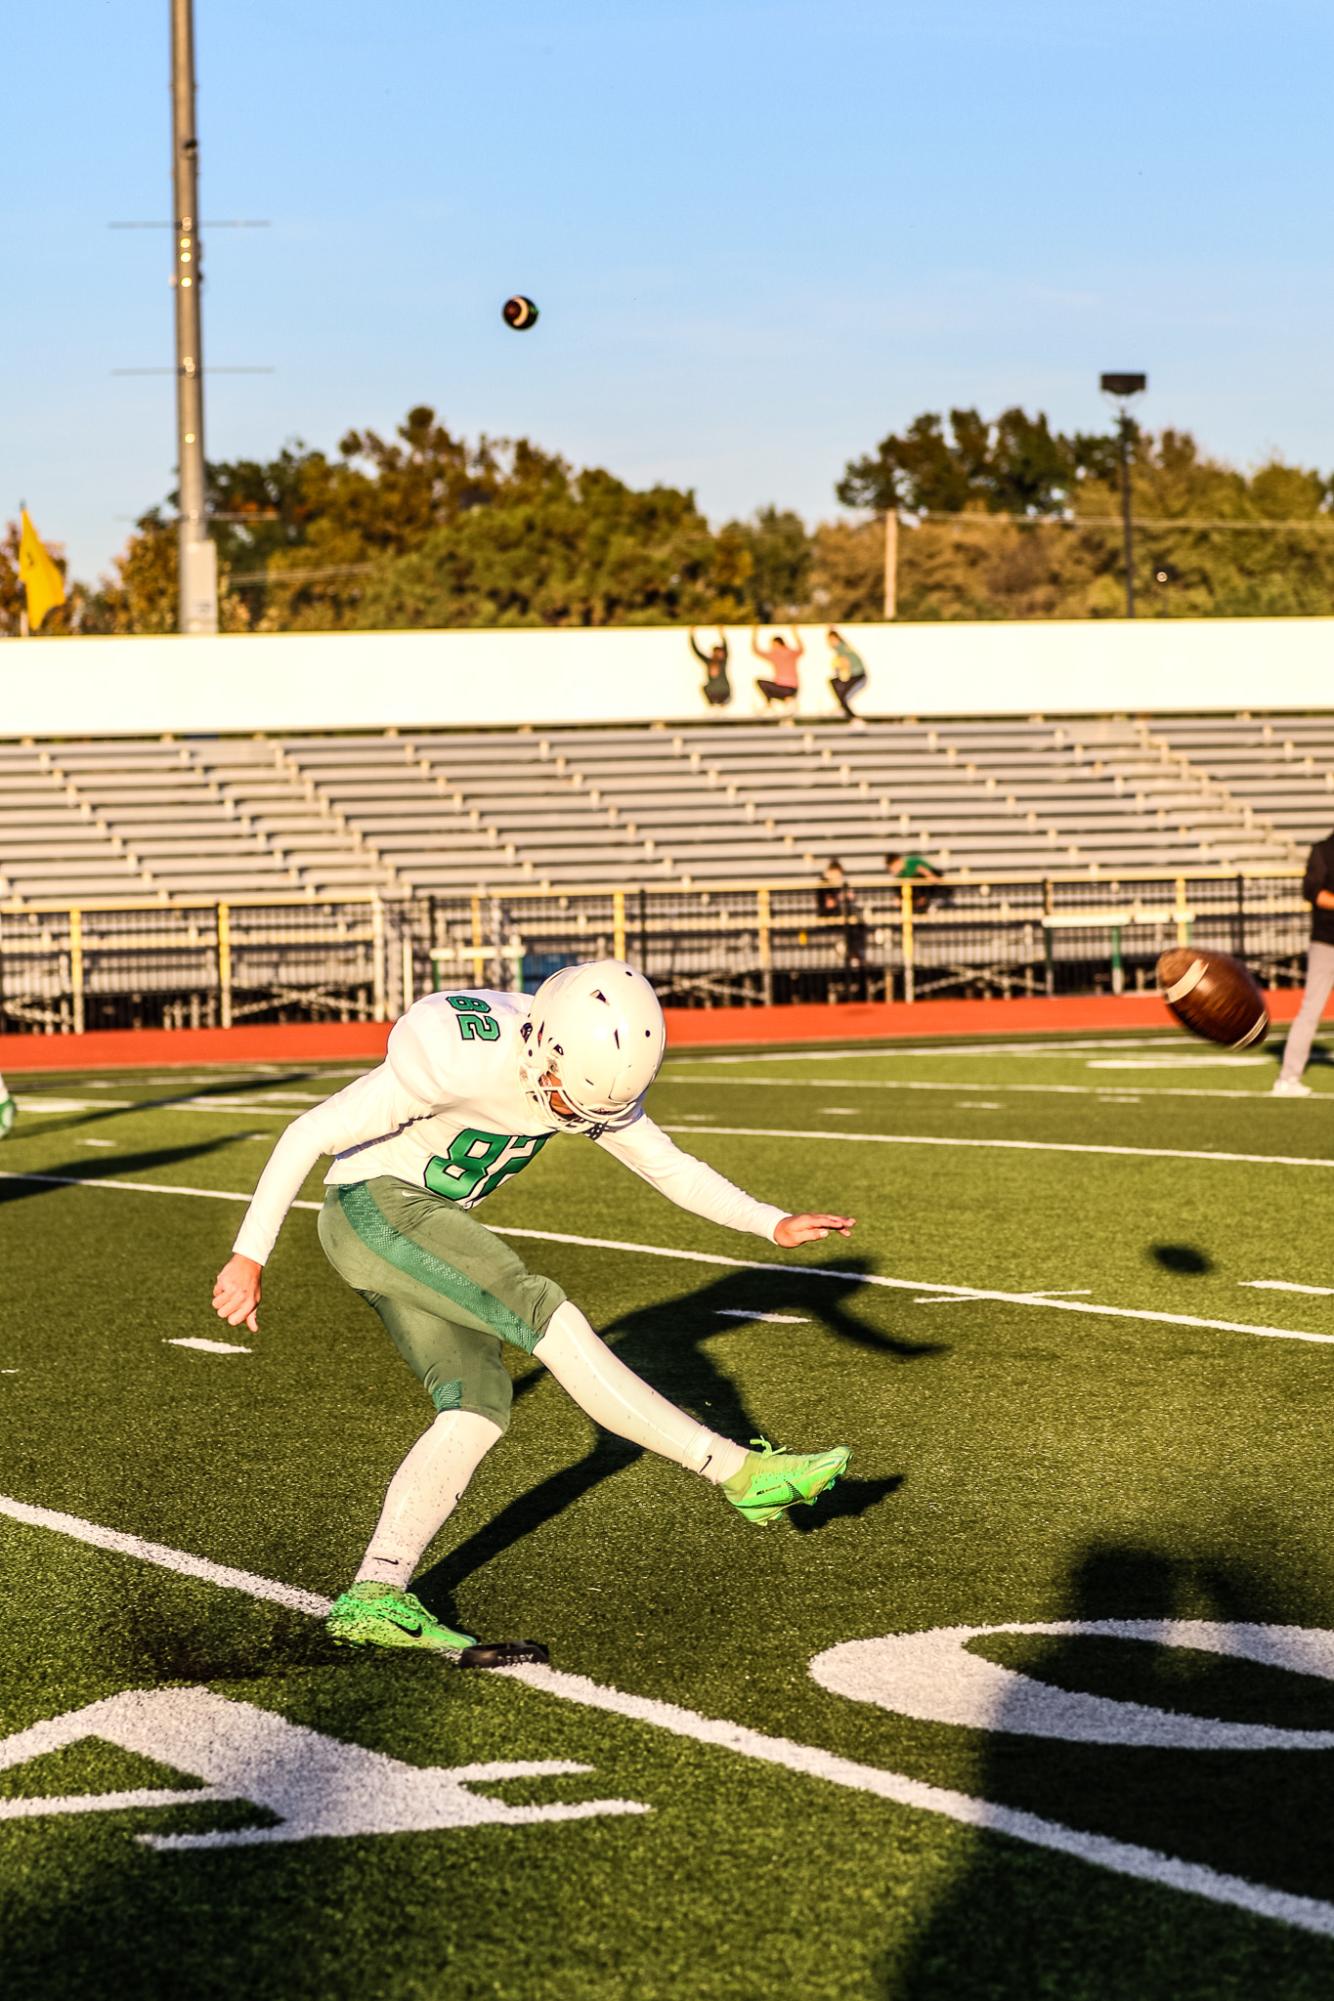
x=1000 y=518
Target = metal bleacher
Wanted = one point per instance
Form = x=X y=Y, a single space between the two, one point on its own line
x=173 y=820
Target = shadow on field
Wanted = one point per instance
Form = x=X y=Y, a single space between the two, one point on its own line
x=222 y=1089
x=113 y=1168
x=1187 y=1258
x=1019 y=1921
x=669 y=1344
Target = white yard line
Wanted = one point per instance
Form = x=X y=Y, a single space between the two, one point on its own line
x=245 y=1105
x=1004 y=1145
x=1039 y=1298
x=750 y=1313
x=295 y=1097
x=1107 y=1093
x=135 y=1187
x=1121 y=1857
x=28 y=1104
x=1285 y=1285
x=208 y=1347
x=717 y=1259
x=121 y=1544
x=720 y=1733
x=1055 y=1046
x=1163 y=1061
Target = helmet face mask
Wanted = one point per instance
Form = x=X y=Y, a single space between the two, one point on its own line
x=594 y=1040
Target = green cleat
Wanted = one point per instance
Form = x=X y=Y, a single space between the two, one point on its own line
x=7 y=1114
x=771 y=1482
x=380 y=1615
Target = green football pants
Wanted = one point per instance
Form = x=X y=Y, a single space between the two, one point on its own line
x=447 y=1289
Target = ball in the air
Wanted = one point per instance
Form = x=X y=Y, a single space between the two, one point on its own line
x=519 y=313
x=1214 y=996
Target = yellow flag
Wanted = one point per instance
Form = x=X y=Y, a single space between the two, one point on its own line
x=40 y=576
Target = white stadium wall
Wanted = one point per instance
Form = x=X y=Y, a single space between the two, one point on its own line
x=377 y=680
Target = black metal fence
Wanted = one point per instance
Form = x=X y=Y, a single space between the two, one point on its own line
x=66 y=969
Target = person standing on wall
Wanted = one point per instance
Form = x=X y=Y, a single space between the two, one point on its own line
x=1318 y=890
x=780 y=685
x=849 y=675
x=717 y=688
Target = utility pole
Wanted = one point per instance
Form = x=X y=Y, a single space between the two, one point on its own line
x=197 y=553
x=892 y=563
x=1127 y=520
x=1123 y=387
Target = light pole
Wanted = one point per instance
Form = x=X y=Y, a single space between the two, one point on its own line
x=1123 y=387
x=198 y=557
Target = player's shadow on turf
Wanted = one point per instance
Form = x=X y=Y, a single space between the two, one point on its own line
x=1186 y=1258
x=96 y=1114
x=113 y=1168
x=1018 y=1921
x=669 y=1345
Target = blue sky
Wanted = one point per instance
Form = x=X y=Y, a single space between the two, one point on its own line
x=761 y=235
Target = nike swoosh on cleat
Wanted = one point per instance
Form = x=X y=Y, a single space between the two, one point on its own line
x=414 y=1631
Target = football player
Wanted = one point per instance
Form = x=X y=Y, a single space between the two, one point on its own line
x=6 y=1110
x=473 y=1086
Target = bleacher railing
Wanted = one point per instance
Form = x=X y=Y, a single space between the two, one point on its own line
x=66 y=967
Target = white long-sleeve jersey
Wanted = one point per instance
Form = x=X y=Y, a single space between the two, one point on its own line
x=447 y=1110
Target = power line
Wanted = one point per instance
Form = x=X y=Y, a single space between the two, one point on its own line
x=245 y=369
x=265 y=224
x=285 y=576
x=1322 y=525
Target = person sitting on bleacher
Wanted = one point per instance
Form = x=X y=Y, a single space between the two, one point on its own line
x=781 y=684
x=915 y=868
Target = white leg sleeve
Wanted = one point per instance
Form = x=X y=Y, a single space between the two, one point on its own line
x=1319 y=981
x=424 y=1493
x=614 y=1397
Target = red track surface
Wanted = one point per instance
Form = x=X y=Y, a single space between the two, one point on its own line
x=847 y=1021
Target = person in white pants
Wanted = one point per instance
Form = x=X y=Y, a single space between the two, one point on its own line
x=1317 y=890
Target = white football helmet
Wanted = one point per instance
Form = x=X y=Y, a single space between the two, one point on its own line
x=596 y=1034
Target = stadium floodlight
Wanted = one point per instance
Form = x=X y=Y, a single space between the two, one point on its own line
x=1123 y=387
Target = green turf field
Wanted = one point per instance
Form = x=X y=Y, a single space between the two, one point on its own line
x=1082 y=1345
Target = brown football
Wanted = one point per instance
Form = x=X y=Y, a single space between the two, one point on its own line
x=1213 y=995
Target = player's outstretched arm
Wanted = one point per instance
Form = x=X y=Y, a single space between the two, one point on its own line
x=692 y=1184
x=808 y=1229
x=236 y=1292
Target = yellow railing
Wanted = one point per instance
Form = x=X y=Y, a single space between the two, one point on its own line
x=404 y=944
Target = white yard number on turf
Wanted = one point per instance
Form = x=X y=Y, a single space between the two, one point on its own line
x=316 y=1785
x=932 y=1677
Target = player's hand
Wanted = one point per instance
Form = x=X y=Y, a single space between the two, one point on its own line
x=794 y=1230
x=236 y=1292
